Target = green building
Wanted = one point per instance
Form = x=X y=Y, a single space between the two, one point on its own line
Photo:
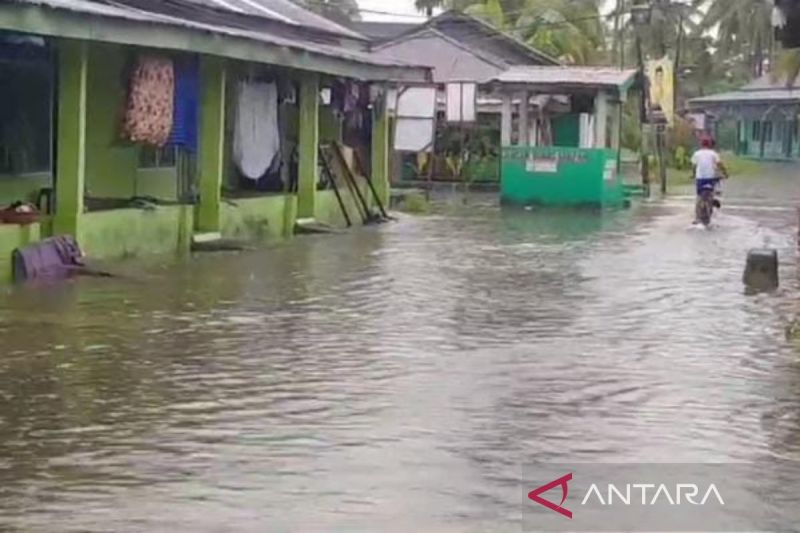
x=64 y=85
x=763 y=114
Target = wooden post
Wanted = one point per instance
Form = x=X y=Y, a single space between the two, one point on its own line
x=73 y=65
x=662 y=162
x=380 y=150
x=507 y=120
x=600 y=119
x=308 y=149
x=211 y=149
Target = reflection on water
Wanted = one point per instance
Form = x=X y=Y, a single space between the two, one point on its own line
x=396 y=378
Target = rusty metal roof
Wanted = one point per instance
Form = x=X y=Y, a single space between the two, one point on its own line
x=132 y=11
x=282 y=11
x=554 y=77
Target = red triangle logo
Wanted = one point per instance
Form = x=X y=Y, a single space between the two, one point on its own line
x=562 y=482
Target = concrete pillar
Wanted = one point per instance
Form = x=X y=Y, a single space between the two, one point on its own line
x=507 y=120
x=600 y=119
x=211 y=143
x=380 y=150
x=73 y=70
x=533 y=131
x=524 y=128
x=308 y=149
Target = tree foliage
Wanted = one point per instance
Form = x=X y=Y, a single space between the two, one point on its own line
x=341 y=11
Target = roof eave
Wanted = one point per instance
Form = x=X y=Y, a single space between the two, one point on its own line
x=453 y=14
x=57 y=22
x=458 y=15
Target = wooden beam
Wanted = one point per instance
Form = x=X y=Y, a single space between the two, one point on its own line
x=507 y=120
x=524 y=109
x=600 y=120
x=380 y=151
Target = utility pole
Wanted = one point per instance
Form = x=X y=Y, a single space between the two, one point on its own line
x=619 y=44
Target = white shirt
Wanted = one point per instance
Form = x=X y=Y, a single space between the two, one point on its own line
x=706 y=162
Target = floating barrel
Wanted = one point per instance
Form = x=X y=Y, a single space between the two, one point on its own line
x=761 y=272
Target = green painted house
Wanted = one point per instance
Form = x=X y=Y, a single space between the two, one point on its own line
x=64 y=69
x=764 y=114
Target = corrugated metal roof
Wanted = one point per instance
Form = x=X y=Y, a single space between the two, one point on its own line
x=765 y=89
x=283 y=11
x=553 y=76
x=748 y=96
x=481 y=36
x=121 y=11
x=381 y=31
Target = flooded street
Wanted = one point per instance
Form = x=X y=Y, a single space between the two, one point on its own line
x=396 y=378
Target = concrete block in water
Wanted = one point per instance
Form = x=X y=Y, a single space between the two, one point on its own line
x=761 y=272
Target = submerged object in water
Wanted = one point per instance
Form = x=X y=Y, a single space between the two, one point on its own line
x=55 y=258
x=761 y=272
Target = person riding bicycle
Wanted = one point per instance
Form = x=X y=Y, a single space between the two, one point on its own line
x=708 y=168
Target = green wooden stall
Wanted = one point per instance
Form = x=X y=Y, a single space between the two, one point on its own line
x=565 y=176
x=566 y=157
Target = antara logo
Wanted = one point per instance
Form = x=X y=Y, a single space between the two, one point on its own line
x=648 y=494
x=535 y=495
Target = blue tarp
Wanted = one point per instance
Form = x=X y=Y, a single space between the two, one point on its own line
x=187 y=97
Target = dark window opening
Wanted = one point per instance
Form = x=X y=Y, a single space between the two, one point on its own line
x=26 y=105
x=153 y=157
x=756 y=134
x=767 y=132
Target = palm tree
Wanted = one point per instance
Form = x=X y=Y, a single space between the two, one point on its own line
x=744 y=31
x=571 y=30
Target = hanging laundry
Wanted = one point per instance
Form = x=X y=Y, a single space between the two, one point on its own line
x=256 y=139
x=186 y=105
x=351 y=97
x=148 y=116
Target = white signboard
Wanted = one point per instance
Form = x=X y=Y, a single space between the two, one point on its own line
x=543 y=165
x=610 y=173
x=461 y=102
x=416 y=112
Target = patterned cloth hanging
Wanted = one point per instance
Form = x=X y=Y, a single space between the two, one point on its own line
x=149 y=112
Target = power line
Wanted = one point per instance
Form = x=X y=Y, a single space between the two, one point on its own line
x=522 y=11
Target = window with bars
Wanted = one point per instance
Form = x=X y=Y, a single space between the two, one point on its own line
x=153 y=157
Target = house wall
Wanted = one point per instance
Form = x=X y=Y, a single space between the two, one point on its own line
x=122 y=233
x=111 y=171
x=259 y=219
x=781 y=141
x=112 y=163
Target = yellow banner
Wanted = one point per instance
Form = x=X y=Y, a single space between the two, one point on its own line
x=661 y=77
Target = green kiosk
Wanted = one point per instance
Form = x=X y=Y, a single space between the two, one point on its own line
x=568 y=157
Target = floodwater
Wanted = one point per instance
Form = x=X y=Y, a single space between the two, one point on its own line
x=396 y=378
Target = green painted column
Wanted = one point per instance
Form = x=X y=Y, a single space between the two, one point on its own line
x=308 y=149
x=380 y=151
x=73 y=69
x=211 y=144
